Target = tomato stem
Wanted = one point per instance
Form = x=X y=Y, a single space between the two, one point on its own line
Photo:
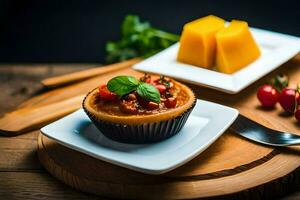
x=279 y=82
x=298 y=88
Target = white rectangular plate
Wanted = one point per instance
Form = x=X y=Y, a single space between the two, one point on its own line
x=206 y=123
x=276 y=49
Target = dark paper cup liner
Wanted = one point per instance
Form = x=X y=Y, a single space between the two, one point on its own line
x=143 y=133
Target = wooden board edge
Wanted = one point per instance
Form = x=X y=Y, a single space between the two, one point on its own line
x=226 y=186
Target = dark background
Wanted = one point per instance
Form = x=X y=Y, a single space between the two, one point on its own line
x=76 y=31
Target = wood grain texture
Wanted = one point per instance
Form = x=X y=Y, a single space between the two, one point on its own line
x=19 y=153
x=18 y=82
x=27 y=119
x=36 y=186
x=229 y=166
x=84 y=74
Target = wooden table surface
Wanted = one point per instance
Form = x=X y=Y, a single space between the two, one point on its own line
x=21 y=174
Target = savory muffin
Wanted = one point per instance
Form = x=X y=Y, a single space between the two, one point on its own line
x=139 y=111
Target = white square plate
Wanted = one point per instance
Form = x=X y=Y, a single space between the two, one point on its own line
x=206 y=123
x=276 y=49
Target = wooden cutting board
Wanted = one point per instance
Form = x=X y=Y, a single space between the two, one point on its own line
x=232 y=165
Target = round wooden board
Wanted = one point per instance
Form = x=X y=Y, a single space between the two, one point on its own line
x=231 y=166
x=210 y=174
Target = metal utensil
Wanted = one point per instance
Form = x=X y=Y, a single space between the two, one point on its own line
x=261 y=134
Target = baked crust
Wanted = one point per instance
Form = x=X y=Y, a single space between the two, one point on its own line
x=137 y=119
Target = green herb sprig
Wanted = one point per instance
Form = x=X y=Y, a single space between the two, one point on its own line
x=123 y=85
x=280 y=81
x=138 y=39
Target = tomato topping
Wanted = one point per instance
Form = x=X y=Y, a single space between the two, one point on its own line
x=147 y=104
x=151 y=105
x=171 y=102
x=146 y=78
x=142 y=102
x=161 y=88
x=106 y=94
x=128 y=107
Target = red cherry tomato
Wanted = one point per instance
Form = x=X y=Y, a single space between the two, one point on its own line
x=161 y=88
x=267 y=95
x=297 y=115
x=287 y=99
x=171 y=102
x=106 y=94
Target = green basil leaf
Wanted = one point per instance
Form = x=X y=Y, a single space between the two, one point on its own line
x=122 y=85
x=148 y=92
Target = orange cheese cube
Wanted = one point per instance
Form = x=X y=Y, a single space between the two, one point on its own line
x=198 y=43
x=236 y=47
